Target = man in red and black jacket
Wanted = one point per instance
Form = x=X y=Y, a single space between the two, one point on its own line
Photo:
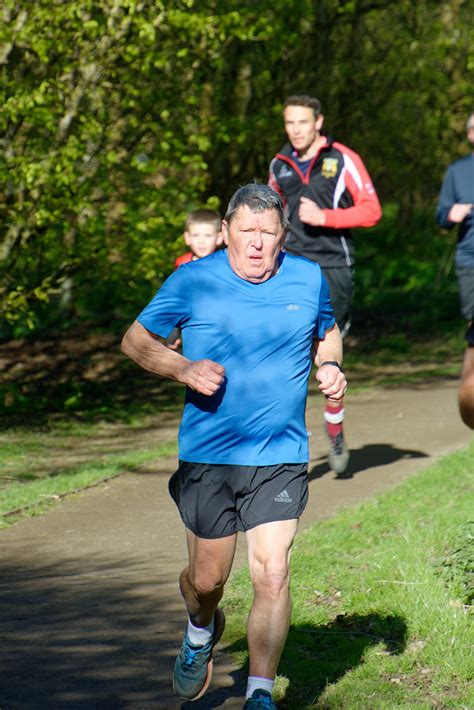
x=328 y=191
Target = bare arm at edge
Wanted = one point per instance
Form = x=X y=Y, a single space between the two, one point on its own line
x=466 y=389
x=148 y=351
x=332 y=381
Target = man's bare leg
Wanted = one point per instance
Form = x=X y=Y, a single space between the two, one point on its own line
x=269 y=548
x=202 y=586
x=202 y=582
x=466 y=389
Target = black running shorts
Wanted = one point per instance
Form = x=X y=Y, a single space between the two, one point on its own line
x=217 y=500
x=465 y=278
x=341 y=286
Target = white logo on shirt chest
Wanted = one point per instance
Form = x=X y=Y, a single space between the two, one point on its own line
x=285 y=172
x=292 y=307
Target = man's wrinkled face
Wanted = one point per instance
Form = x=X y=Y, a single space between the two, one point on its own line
x=254 y=241
x=301 y=126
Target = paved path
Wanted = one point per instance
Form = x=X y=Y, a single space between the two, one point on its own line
x=90 y=613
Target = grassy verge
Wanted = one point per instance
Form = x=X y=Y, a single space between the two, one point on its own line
x=381 y=596
x=29 y=485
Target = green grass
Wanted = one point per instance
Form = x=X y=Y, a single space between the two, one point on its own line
x=380 y=601
x=30 y=484
x=31 y=449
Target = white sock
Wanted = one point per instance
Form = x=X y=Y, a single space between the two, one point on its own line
x=334 y=417
x=200 y=635
x=254 y=682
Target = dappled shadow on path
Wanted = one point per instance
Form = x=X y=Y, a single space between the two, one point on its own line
x=216 y=697
x=369 y=456
x=87 y=633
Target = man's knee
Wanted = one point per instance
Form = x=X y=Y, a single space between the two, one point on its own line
x=270 y=577
x=206 y=581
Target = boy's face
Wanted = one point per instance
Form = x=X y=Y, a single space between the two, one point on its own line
x=202 y=238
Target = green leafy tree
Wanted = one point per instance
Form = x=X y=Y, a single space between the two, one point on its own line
x=102 y=148
x=118 y=116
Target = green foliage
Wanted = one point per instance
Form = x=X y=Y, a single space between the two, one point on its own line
x=405 y=273
x=99 y=128
x=118 y=117
x=82 y=379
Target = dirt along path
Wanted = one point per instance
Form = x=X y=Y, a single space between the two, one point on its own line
x=90 y=611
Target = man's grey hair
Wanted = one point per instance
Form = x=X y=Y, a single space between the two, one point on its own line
x=258 y=198
x=470 y=122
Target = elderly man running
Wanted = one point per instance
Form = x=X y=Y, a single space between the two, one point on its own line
x=252 y=319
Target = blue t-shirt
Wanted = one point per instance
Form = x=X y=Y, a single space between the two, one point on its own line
x=262 y=334
x=302 y=164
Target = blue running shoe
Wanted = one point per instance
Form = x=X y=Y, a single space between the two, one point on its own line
x=193 y=666
x=260 y=700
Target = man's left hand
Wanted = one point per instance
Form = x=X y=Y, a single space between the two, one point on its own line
x=333 y=383
x=459 y=211
x=310 y=213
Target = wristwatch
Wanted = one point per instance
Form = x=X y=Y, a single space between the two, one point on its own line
x=333 y=362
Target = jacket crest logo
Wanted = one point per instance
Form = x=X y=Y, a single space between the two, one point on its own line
x=285 y=172
x=329 y=167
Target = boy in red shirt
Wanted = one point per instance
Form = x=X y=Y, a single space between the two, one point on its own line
x=202 y=234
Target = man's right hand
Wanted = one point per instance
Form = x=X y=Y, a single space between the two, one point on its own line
x=203 y=376
x=459 y=212
x=150 y=352
x=310 y=213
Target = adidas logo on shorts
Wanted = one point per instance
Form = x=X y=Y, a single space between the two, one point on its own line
x=283 y=497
